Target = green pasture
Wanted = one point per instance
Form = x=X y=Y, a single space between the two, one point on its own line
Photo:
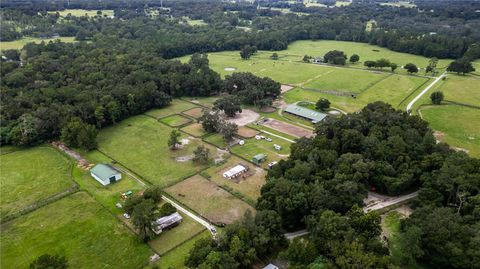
x=18 y=44
x=77 y=227
x=31 y=175
x=174 y=237
x=176 y=257
x=108 y=195
x=175 y=120
x=216 y=139
x=459 y=124
x=82 y=12
x=175 y=107
x=202 y=101
x=461 y=89
x=399 y=4
x=192 y=22
x=140 y=144
x=195 y=129
x=253 y=147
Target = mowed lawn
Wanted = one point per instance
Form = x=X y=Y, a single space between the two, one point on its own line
x=209 y=200
x=253 y=147
x=175 y=120
x=248 y=187
x=30 y=175
x=18 y=44
x=77 y=227
x=461 y=89
x=140 y=144
x=459 y=124
x=195 y=129
x=176 y=106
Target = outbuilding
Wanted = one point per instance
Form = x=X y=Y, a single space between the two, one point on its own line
x=270 y=266
x=166 y=222
x=235 y=171
x=259 y=158
x=303 y=112
x=105 y=174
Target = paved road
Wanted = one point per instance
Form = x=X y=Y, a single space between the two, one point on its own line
x=198 y=219
x=409 y=106
x=398 y=200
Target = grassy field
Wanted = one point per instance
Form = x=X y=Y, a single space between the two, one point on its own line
x=195 y=22
x=176 y=257
x=194 y=129
x=174 y=237
x=140 y=143
x=196 y=112
x=175 y=120
x=253 y=147
x=391 y=227
x=248 y=187
x=459 y=124
x=203 y=101
x=108 y=195
x=400 y=4
x=216 y=139
x=209 y=200
x=175 y=107
x=30 y=175
x=18 y=44
x=82 y=12
x=77 y=227
x=462 y=89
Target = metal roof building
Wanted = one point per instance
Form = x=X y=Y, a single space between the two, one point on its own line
x=166 y=222
x=105 y=174
x=306 y=113
x=235 y=171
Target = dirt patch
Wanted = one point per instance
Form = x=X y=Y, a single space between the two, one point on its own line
x=209 y=200
x=280 y=103
x=81 y=162
x=247 y=116
x=287 y=128
x=285 y=88
x=184 y=158
x=196 y=112
x=268 y=109
x=246 y=132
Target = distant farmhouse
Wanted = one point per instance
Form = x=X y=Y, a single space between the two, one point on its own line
x=166 y=222
x=105 y=174
x=311 y=115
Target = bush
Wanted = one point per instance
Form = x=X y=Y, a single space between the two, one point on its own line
x=436 y=97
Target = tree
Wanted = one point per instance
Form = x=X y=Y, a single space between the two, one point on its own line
x=143 y=215
x=432 y=65
x=228 y=130
x=79 y=134
x=300 y=252
x=436 y=97
x=210 y=121
x=381 y=63
x=322 y=104
x=173 y=140
x=461 y=66
x=247 y=51
x=393 y=67
x=201 y=155
x=369 y=64
x=335 y=57
x=166 y=210
x=411 y=68
x=47 y=261
x=306 y=58
x=354 y=58
x=274 y=56
x=229 y=104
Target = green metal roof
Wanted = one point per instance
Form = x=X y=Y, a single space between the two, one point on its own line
x=104 y=171
x=312 y=115
x=259 y=157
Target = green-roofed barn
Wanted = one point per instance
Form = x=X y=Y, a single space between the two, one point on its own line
x=259 y=158
x=105 y=174
x=312 y=115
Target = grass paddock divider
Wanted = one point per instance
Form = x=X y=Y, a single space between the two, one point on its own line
x=413 y=92
x=182 y=242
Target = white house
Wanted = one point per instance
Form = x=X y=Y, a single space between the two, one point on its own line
x=105 y=174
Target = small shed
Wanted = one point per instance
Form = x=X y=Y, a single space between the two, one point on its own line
x=270 y=266
x=259 y=158
x=235 y=171
x=105 y=174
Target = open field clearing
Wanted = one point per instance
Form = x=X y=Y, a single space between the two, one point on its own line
x=195 y=129
x=393 y=90
x=400 y=4
x=108 y=195
x=209 y=200
x=175 y=120
x=203 y=101
x=175 y=107
x=459 y=125
x=140 y=144
x=31 y=175
x=340 y=79
x=176 y=257
x=216 y=139
x=82 y=12
x=175 y=236
x=77 y=227
x=461 y=89
x=248 y=186
x=253 y=147
x=247 y=132
x=18 y=44
x=196 y=112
